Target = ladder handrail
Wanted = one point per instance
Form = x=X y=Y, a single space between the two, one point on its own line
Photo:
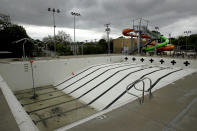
x=143 y=83
x=143 y=88
x=127 y=90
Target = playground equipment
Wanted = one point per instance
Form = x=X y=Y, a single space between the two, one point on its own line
x=141 y=31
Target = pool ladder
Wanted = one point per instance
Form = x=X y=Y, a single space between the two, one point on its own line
x=141 y=100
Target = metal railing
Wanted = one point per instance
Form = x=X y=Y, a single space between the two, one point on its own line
x=141 y=100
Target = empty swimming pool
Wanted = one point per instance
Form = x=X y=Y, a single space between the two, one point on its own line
x=93 y=89
x=80 y=90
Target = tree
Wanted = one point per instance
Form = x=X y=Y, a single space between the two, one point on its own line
x=1 y=24
x=91 y=48
x=63 y=49
x=111 y=45
x=13 y=33
x=49 y=40
x=62 y=41
x=4 y=21
x=121 y=37
x=193 y=39
x=103 y=44
x=63 y=37
x=182 y=40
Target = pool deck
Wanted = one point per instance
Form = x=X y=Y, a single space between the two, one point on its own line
x=7 y=121
x=172 y=108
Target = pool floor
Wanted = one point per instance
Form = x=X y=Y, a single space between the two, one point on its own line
x=58 y=118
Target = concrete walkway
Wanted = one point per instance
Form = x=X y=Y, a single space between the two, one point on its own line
x=172 y=108
x=7 y=121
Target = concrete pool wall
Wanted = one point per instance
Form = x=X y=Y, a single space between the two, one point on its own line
x=47 y=72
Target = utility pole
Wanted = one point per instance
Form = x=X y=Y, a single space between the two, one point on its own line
x=108 y=30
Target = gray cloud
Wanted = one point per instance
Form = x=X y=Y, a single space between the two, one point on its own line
x=95 y=13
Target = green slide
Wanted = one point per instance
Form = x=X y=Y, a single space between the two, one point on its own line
x=166 y=41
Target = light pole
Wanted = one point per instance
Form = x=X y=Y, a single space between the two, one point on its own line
x=156 y=28
x=108 y=30
x=75 y=14
x=54 y=11
x=187 y=32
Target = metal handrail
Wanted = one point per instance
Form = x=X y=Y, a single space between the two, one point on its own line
x=143 y=80
x=143 y=88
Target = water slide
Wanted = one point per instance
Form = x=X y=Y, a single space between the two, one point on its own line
x=166 y=41
x=126 y=32
x=160 y=47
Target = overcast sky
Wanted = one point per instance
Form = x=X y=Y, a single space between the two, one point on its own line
x=171 y=16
